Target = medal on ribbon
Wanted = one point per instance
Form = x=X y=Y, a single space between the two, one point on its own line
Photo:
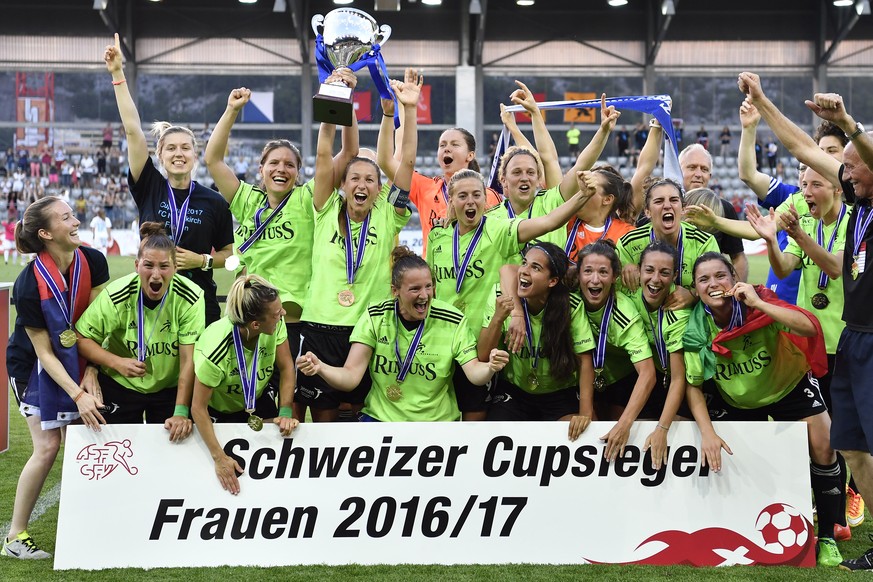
x=461 y=267
x=248 y=378
x=861 y=226
x=177 y=215
x=260 y=227
x=354 y=258
x=404 y=364
x=532 y=379
x=660 y=344
x=820 y=300
x=600 y=349
x=67 y=338
x=141 y=341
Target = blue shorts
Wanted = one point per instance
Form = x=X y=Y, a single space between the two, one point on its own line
x=852 y=393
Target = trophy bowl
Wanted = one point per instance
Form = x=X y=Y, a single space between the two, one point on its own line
x=348 y=37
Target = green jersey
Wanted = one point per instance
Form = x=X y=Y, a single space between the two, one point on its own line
x=498 y=244
x=520 y=365
x=626 y=342
x=426 y=394
x=831 y=315
x=672 y=328
x=764 y=366
x=111 y=321
x=799 y=202
x=695 y=242
x=543 y=203
x=373 y=278
x=283 y=252
x=215 y=364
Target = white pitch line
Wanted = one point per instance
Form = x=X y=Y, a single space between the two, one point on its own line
x=45 y=502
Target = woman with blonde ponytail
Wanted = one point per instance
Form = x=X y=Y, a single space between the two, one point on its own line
x=233 y=362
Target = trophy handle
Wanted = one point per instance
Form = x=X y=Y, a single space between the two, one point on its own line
x=383 y=35
x=317 y=20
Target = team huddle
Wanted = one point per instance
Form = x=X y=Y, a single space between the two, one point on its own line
x=571 y=296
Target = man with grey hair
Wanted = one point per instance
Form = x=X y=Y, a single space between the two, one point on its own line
x=696 y=165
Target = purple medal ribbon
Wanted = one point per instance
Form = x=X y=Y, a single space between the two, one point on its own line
x=679 y=249
x=658 y=334
x=353 y=263
x=600 y=352
x=445 y=188
x=461 y=268
x=260 y=227
x=405 y=364
x=248 y=378
x=66 y=308
x=177 y=215
x=534 y=349
x=142 y=342
x=571 y=239
x=737 y=317
x=819 y=239
x=861 y=225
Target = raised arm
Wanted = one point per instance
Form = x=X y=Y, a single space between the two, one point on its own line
x=795 y=321
x=385 y=143
x=588 y=157
x=324 y=172
x=479 y=373
x=345 y=378
x=830 y=263
x=216 y=148
x=646 y=162
x=408 y=94
x=801 y=146
x=747 y=167
x=137 y=147
x=545 y=145
x=783 y=263
x=350 y=141
x=830 y=107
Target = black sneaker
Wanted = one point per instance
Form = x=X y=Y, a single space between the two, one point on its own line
x=865 y=562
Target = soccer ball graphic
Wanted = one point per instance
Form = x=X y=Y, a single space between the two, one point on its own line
x=782 y=527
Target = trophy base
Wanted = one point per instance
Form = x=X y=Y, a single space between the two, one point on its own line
x=333 y=104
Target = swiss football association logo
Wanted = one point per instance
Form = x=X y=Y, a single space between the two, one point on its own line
x=784 y=538
x=100 y=461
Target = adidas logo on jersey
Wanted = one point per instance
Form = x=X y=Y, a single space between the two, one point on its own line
x=439 y=249
x=131 y=325
x=383 y=340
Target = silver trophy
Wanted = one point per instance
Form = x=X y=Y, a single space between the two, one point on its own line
x=349 y=35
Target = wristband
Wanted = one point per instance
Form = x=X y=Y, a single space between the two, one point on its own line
x=181 y=410
x=661 y=426
x=286 y=412
x=121 y=82
x=398 y=197
x=388 y=115
x=79 y=395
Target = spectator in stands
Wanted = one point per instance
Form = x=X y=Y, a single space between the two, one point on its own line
x=241 y=168
x=35 y=163
x=114 y=161
x=107 y=136
x=101 y=162
x=622 y=142
x=703 y=137
x=725 y=139
x=101 y=230
x=81 y=208
x=45 y=161
x=88 y=168
x=772 y=155
x=199 y=219
x=573 y=135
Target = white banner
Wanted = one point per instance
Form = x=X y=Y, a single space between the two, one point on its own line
x=438 y=493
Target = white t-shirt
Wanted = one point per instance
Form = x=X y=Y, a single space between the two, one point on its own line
x=101 y=227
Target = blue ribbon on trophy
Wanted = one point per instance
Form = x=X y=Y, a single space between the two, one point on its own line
x=351 y=38
x=659 y=106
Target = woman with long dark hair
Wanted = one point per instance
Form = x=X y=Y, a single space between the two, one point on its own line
x=544 y=379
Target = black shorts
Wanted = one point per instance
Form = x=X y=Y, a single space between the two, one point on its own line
x=655 y=405
x=331 y=344
x=265 y=407
x=852 y=393
x=803 y=401
x=824 y=383
x=294 y=330
x=471 y=398
x=509 y=402
x=126 y=406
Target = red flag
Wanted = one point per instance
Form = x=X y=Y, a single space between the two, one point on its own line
x=423 y=115
x=523 y=117
x=362 y=106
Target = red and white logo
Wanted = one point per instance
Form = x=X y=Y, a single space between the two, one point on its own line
x=100 y=461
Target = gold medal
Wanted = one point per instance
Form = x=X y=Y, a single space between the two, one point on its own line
x=394 y=393
x=666 y=381
x=68 y=338
x=533 y=381
x=820 y=301
x=855 y=269
x=346 y=298
x=256 y=423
